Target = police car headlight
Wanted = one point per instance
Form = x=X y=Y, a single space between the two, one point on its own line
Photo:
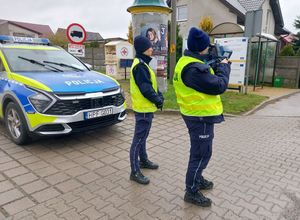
x=40 y=102
x=122 y=92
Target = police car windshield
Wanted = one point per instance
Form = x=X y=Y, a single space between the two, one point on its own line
x=57 y=56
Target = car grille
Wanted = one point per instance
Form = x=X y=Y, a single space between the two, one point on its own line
x=70 y=107
x=94 y=123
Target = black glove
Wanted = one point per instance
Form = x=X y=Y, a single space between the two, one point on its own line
x=161 y=96
x=160 y=104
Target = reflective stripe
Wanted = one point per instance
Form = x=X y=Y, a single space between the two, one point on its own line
x=190 y=101
x=30 y=47
x=139 y=102
x=30 y=82
x=36 y=119
x=6 y=67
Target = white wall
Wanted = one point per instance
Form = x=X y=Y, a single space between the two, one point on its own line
x=199 y=8
x=268 y=22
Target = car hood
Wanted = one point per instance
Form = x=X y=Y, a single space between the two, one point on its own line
x=64 y=82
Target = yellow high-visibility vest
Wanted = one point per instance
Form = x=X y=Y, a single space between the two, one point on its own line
x=139 y=102
x=190 y=101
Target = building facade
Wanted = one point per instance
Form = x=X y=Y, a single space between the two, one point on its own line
x=22 y=29
x=190 y=13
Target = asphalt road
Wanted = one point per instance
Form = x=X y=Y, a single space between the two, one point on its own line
x=287 y=107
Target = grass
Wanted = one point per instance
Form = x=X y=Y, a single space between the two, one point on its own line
x=233 y=102
x=236 y=103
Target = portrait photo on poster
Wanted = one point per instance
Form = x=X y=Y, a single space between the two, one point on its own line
x=157 y=34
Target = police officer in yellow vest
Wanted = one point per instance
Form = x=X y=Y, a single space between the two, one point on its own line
x=197 y=88
x=146 y=99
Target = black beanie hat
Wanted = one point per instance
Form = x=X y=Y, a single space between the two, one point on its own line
x=141 y=44
x=198 y=40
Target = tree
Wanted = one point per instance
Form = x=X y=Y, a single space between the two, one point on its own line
x=206 y=24
x=93 y=44
x=130 y=33
x=297 y=22
x=297 y=43
x=179 y=42
x=59 y=39
x=298 y=53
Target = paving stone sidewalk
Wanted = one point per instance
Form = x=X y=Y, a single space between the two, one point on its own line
x=255 y=168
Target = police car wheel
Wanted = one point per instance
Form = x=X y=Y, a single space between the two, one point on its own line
x=16 y=124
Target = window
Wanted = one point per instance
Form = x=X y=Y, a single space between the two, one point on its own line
x=182 y=13
x=2 y=70
x=17 y=34
x=16 y=59
x=1 y=66
x=268 y=21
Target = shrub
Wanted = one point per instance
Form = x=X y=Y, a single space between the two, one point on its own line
x=287 y=51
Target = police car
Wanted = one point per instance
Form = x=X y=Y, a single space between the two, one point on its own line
x=46 y=91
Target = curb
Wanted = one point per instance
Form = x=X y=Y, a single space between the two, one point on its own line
x=252 y=111
x=174 y=112
x=268 y=102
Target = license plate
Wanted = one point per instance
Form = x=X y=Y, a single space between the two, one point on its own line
x=98 y=113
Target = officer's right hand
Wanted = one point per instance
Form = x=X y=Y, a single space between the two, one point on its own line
x=160 y=105
x=225 y=61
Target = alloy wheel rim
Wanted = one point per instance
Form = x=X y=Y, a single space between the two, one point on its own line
x=14 y=123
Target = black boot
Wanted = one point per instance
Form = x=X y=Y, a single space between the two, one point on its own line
x=147 y=164
x=197 y=198
x=205 y=184
x=139 y=178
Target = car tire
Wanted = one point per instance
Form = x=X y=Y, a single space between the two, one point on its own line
x=16 y=125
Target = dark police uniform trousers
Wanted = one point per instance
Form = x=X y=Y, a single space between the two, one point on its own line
x=143 y=122
x=201 y=138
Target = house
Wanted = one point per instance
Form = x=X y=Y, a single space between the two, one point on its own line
x=189 y=13
x=272 y=20
x=229 y=18
x=23 y=29
x=90 y=36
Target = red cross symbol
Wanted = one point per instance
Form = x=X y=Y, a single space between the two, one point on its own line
x=124 y=52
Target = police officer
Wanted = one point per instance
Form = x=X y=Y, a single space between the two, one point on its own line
x=146 y=99
x=197 y=88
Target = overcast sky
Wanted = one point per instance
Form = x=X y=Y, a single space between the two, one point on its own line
x=108 y=17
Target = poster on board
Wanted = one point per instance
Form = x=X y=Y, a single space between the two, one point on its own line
x=239 y=46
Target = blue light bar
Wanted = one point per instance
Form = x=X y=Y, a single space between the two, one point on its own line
x=23 y=40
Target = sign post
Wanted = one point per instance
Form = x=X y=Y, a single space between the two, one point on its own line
x=124 y=52
x=76 y=34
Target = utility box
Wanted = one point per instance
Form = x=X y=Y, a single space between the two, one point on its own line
x=115 y=52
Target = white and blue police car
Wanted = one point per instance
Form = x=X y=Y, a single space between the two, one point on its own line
x=45 y=90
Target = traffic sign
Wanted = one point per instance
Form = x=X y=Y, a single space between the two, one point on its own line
x=76 y=33
x=78 y=50
x=124 y=50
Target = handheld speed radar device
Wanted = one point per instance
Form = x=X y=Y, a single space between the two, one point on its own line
x=216 y=54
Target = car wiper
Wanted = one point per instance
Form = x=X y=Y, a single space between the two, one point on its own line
x=52 y=68
x=64 y=65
